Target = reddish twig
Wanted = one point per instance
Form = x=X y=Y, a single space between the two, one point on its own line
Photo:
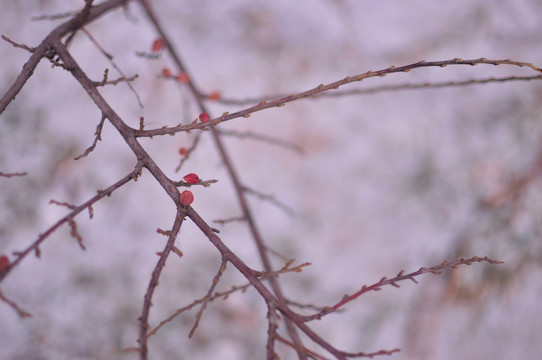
x=400 y=277
x=123 y=77
x=97 y=136
x=331 y=86
x=8 y=175
x=208 y=296
x=17 y=45
x=66 y=204
x=34 y=247
x=229 y=220
x=273 y=301
x=225 y=294
x=188 y=152
x=14 y=306
x=153 y=283
x=387 y=88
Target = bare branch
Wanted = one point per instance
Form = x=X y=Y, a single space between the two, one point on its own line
x=66 y=219
x=400 y=277
x=17 y=45
x=225 y=294
x=233 y=219
x=68 y=205
x=54 y=17
x=144 y=318
x=75 y=233
x=22 y=314
x=271 y=199
x=188 y=152
x=208 y=296
x=204 y=183
x=387 y=88
x=98 y=136
x=123 y=77
x=264 y=138
x=8 y=175
x=264 y=104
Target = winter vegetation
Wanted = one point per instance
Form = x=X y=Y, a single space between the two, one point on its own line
x=248 y=180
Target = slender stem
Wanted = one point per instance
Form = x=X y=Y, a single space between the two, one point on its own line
x=153 y=283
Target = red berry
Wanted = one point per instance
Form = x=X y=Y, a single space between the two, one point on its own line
x=183 y=78
x=183 y=151
x=191 y=178
x=187 y=198
x=204 y=117
x=166 y=72
x=4 y=263
x=215 y=95
x=157 y=45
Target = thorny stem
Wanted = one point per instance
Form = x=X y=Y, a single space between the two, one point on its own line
x=332 y=86
x=208 y=296
x=153 y=283
x=399 y=277
x=386 y=88
x=225 y=294
x=101 y=194
x=20 y=312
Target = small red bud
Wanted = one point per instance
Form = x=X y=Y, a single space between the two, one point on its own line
x=214 y=95
x=183 y=78
x=157 y=45
x=191 y=178
x=183 y=151
x=4 y=263
x=166 y=72
x=187 y=198
x=204 y=117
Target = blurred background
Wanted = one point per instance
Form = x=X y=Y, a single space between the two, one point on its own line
x=386 y=182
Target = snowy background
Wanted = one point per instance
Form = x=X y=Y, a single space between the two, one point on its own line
x=387 y=182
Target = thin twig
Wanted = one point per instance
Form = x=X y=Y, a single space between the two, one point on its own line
x=208 y=296
x=386 y=88
x=264 y=104
x=97 y=136
x=34 y=247
x=264 y=138
x=66 y=204
x=229 y=220
x=153 y=283
x=14 y=306
x=17 y=45
x=189 y=151
x=225 y=294
x=8 y=175
x=399 y=277
x=54 y=17
x=204 y=183
x=109 y=58
x=271 y=199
